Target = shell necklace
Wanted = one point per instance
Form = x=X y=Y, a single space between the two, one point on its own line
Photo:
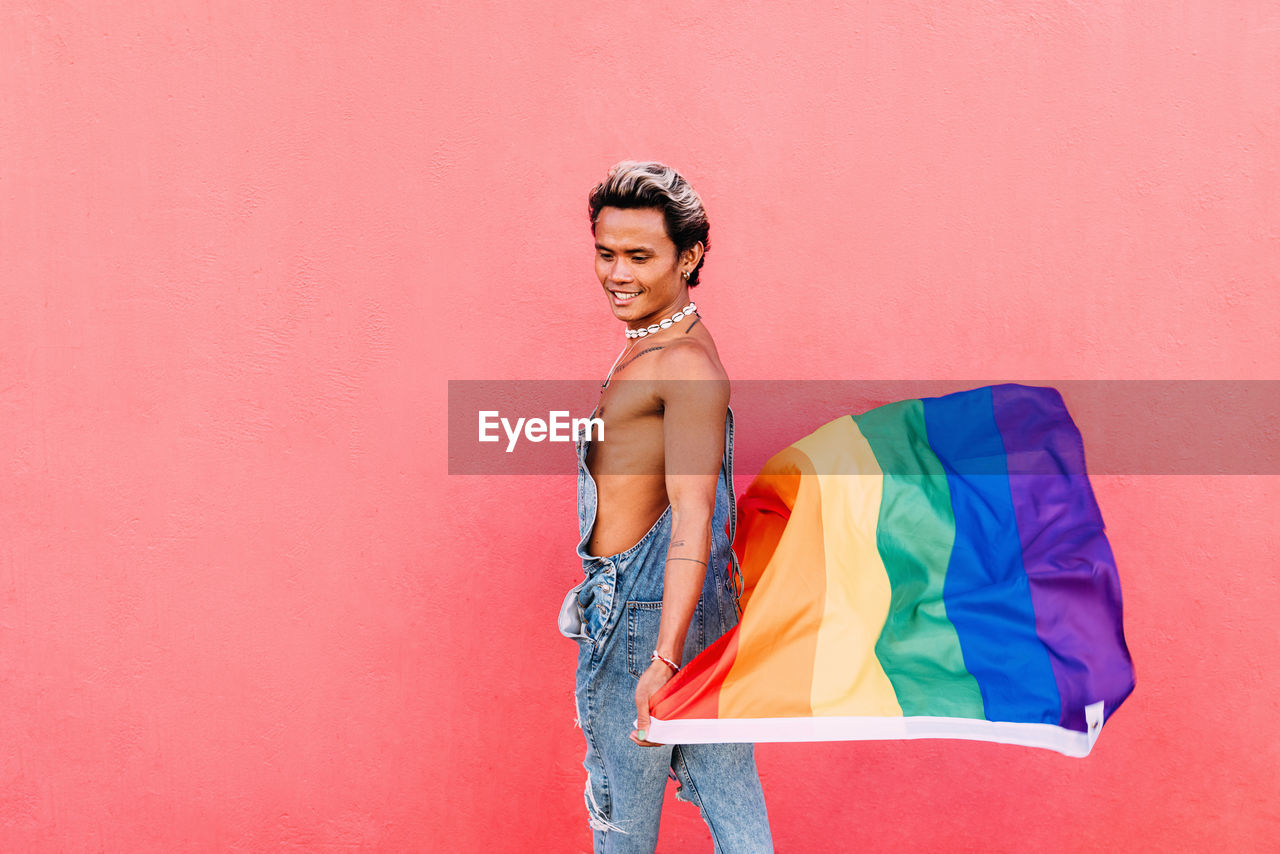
x=666 y=323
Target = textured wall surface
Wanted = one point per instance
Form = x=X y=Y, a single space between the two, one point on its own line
x=243 y=247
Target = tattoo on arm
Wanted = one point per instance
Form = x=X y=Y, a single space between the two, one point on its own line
x=677 y=543
x=691 y=560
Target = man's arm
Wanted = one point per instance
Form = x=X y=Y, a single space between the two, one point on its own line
x=695 y=398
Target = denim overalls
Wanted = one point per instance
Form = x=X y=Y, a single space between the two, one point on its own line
x=619 y=608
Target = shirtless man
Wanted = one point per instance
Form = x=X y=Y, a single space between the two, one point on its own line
x=655 y=496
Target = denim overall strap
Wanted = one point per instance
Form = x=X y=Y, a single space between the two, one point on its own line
x=733 y=575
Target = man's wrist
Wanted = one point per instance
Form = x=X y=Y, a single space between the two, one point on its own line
x=665 y=660
x=670 y=652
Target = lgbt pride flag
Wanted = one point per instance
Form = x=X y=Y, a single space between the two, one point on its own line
x=932 y=568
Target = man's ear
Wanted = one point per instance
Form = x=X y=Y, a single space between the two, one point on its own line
x=693 y=255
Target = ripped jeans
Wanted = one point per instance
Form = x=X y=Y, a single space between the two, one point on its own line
x=619 y=608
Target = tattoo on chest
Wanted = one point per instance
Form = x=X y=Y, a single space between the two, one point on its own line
x=604 y=385
x=638 y=355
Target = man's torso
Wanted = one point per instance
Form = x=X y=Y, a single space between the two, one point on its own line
x=629 y=468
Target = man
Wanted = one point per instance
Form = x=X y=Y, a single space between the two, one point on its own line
x=653 y=517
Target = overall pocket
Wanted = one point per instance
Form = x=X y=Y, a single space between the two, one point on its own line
x=643 y=621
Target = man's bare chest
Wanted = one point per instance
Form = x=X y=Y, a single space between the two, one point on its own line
x=633 y=434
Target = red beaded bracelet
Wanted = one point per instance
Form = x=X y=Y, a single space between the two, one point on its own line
x=675 y=668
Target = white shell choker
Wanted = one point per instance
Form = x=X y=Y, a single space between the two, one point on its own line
x=663 y=324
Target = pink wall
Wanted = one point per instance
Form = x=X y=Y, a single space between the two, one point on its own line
x=244 y=246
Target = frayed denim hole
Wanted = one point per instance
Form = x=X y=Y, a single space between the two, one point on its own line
x=689 y=796
x=692 y=796
x=597 y=818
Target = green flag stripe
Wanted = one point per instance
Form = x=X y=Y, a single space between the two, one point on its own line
x=918 y=647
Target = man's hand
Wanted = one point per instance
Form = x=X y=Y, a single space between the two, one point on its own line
x=651 y=680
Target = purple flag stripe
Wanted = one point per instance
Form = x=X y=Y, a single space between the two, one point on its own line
x=1075 y=589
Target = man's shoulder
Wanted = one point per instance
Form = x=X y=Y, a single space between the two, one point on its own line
x=688 y=359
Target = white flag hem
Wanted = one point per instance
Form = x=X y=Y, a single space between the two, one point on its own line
x=862 y=728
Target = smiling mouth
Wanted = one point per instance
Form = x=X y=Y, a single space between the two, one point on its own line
x=625 y=294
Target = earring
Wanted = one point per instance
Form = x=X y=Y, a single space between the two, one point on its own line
x=686 y=275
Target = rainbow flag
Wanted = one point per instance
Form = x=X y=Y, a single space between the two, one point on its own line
x=932 y=568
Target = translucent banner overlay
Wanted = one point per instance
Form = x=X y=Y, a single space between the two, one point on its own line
x=1196 y=427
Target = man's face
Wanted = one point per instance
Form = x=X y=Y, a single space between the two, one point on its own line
x=637 y=264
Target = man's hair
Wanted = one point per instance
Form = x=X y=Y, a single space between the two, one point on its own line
x=634 y=184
